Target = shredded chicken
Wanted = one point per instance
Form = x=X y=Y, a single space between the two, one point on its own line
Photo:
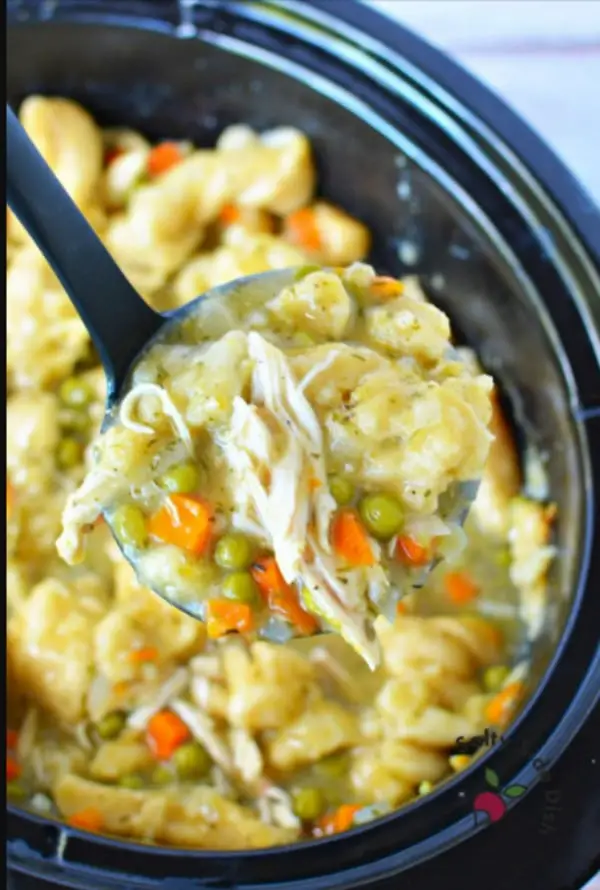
x=275 y=445
x=128 y=408
x=172 y=687
x=202 y=728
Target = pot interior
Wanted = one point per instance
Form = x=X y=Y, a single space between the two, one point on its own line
x=431 y=210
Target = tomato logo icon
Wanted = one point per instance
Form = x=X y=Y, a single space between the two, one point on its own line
x=493 y=803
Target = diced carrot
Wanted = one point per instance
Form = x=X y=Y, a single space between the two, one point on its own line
x=344 y=816
x=111 y=154
x=89 y=819
x=286 y=604
x=411 y=552
x=301 y=228
x=229 y=215
x=350 y=540
x=281 y=597
x=460 y=588
x=385 y=288
x=185 y=522
x=146 y=653
x=13 y=769
x=163 y=157
x=267 y=575
x=12 y=739
x=165 y=733
x=401 y=609
x=340 y=820
x=314 y=484
x=224 y=616
x=500 y=708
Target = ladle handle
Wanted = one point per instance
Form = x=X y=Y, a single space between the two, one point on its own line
x=118 y=320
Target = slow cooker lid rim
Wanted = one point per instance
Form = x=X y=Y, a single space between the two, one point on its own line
x=439 y=68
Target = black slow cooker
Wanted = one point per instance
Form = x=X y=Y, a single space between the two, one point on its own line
x=459 y=191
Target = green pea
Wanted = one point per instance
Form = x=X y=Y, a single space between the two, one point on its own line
x=308 y=803
x=161 y=775
x=191 y=761
x=382 y=514
x=69 y=453
x=341 y=489
x=503 y=558
x=133 y=782
x=75 y=421
x=181 y=478
x=333 y=767
x=494 y=677
x=75 y=393
x=111 y=725
x=425 y=787
x=234 y=551
x=240 y=586
x=15 y=791
x=129 y=525
x=303 y=271
x=303 y=340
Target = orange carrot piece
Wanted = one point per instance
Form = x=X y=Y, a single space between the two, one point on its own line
x=344 y=816
x=186 y=522
x=401 y=609
x=411 y=552
x=340 y=820
x=500 y=708
x=281 y=598
x=350 y=540
x=267 y=575
x=224 y=616
x=229 y=215
x=385 y=288
x=301 y=228
x=460 y=588
x=163 y=157
x=89 y=819
x=12 y=739
x=165 y=733
x=13 y=769
x=286 y=604
x=145 y=654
